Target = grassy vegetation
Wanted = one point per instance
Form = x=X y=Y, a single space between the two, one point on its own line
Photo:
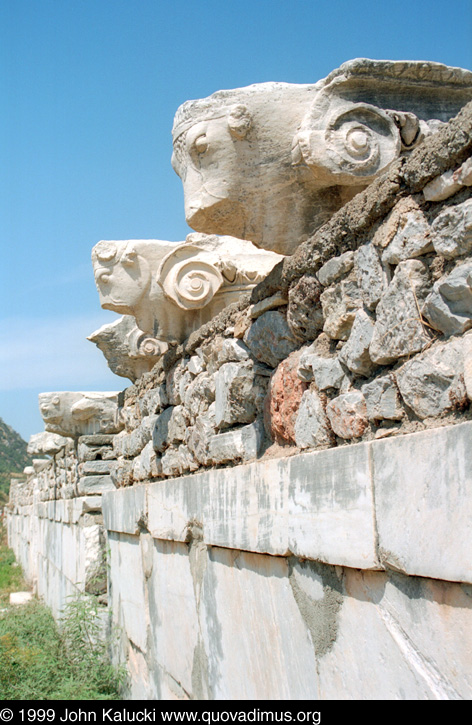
x=11 y=576
x=39 y=660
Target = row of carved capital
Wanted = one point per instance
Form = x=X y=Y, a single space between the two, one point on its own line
x=262 y=167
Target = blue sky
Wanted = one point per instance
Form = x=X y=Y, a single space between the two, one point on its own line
x=89 y=91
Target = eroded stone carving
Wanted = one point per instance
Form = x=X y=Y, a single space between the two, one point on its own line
x=172 y=288
x=272 y=161
x=44 y=443
x=75 y=414
x=129 y=351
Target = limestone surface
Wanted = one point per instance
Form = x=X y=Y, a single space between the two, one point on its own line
x=270 y=339
x=327 y=372
x=452 y=230
x=304 y=314
x=335 y=268
x=355 y=353
x=446 y=185
x=235 y=394
x=340 y=303
x=382 y=399
x=433 y=382
x=412 y=237
x=312 y=428
x=372 y=275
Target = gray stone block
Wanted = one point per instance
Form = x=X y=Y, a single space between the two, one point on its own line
x=304 y=313
x=147 y=465
x=177 y=461
x=312 y=428
x=235 y=394
x=340 y=304
x=125 y=510
x=90 y=468
x=449 y=306
x=412 y=238
x=100 y=439
x=325 y=371
x=239 y=444
x=232 y=351
x=177 y=425
x=433 y=382
x=95 y=485
x=371 y=275
x=423 y=502
x=355 y=353
x=86 y=452
x=199 y=395
x=382 y=399
x=160 y=433
x=270 y=339
x=335 y=268
x=130 y=444
x=173 y=382
x=199 y=436
x=195 y=365
x=398 y=330
x=452 y=230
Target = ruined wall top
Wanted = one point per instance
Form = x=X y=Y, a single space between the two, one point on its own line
x=273 y=161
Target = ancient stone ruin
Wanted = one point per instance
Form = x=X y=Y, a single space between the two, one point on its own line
x=279 y=506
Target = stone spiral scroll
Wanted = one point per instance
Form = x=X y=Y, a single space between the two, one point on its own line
x=189 y=280
x=172 y=288
x=353 y=146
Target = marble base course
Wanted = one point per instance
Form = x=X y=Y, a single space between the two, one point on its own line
x=316 y=563
x=211 y=619
x=60 y=546
x=401 y=503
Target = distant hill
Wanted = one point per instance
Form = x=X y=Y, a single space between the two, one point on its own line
x=13 y=457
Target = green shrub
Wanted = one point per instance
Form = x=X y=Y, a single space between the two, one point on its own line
x=30 y=653
x=41 y=661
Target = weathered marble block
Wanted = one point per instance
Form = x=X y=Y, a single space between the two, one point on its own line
x=129 y=351
x=273 y=161
x=75 y=414
x=41 y=444
x=172 y=288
